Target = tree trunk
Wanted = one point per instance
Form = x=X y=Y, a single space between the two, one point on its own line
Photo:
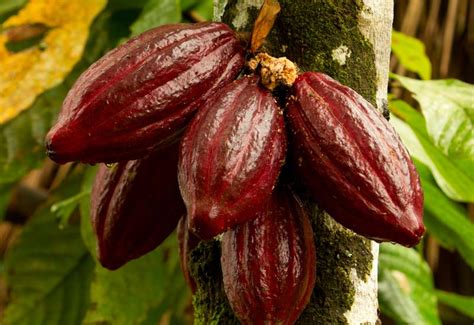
x=350 y=41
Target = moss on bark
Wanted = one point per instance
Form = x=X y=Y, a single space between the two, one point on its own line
x=210 y=302
x=307 y=32
x=338 y=251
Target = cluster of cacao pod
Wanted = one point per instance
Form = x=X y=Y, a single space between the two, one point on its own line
x=195 y=145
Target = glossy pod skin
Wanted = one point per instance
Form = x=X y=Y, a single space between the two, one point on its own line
x=187 y=242
x=231 y=156
x=135 y=205
x=269 y=263
x=140 y=95
x=353 y=162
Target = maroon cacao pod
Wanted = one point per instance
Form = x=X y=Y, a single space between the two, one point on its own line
x=140 y=95
x=187 y=242
x=353 y=162
x=269 y=263
x=231 y=156
x=135 y=205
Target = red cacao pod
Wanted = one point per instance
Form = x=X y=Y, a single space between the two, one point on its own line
x=231 y=156
x=140 y=95
x=353 y=162
x=187 y=242
x=269 y=263
x=135 y=205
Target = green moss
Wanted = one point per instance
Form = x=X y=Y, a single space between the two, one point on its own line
x=338 y=251
x=210 y=302
x=308 y=31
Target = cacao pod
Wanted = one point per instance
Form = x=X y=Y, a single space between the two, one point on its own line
x=353 y=162
x=140 y=95
x=269 y=263
x=135 y=205
x=231 y=156
x=187 y=242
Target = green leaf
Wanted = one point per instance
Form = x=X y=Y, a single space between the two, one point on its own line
x=445 y=219
x=22 y=139
x=5 y=194
x=126 y=4
x=86 y=227
x=188 y=4
x=406 y=291
x=48 y=270
x=64 y=208
x=8 y=6
x=157 y=13
x=448 y=107
x=463 y=304
x=454 y=177
x=205 y=9
x=127 y=295
x=411 y=53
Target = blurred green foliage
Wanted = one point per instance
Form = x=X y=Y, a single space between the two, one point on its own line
x=440 y=139
x=52 y=271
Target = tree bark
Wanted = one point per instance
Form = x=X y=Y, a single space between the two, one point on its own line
x=350 y=41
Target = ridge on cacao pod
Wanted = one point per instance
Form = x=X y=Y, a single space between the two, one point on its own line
x=135 y=205
x=140 y=95
x=231 y=156
x=353 y=162
x=269 y=263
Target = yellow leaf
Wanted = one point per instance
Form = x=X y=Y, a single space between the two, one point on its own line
x=26 y=74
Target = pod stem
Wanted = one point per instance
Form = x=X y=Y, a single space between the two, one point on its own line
x=273 y=71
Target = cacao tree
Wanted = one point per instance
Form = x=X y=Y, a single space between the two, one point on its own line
x=350 y=40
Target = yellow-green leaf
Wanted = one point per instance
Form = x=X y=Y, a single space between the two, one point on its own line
x=30 y=72
x=411 y=53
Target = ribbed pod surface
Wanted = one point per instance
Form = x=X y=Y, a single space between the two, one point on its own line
x=231 y=156
x=135 y=205
x=140 y=95
x=268 y=263
x=353 y=162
